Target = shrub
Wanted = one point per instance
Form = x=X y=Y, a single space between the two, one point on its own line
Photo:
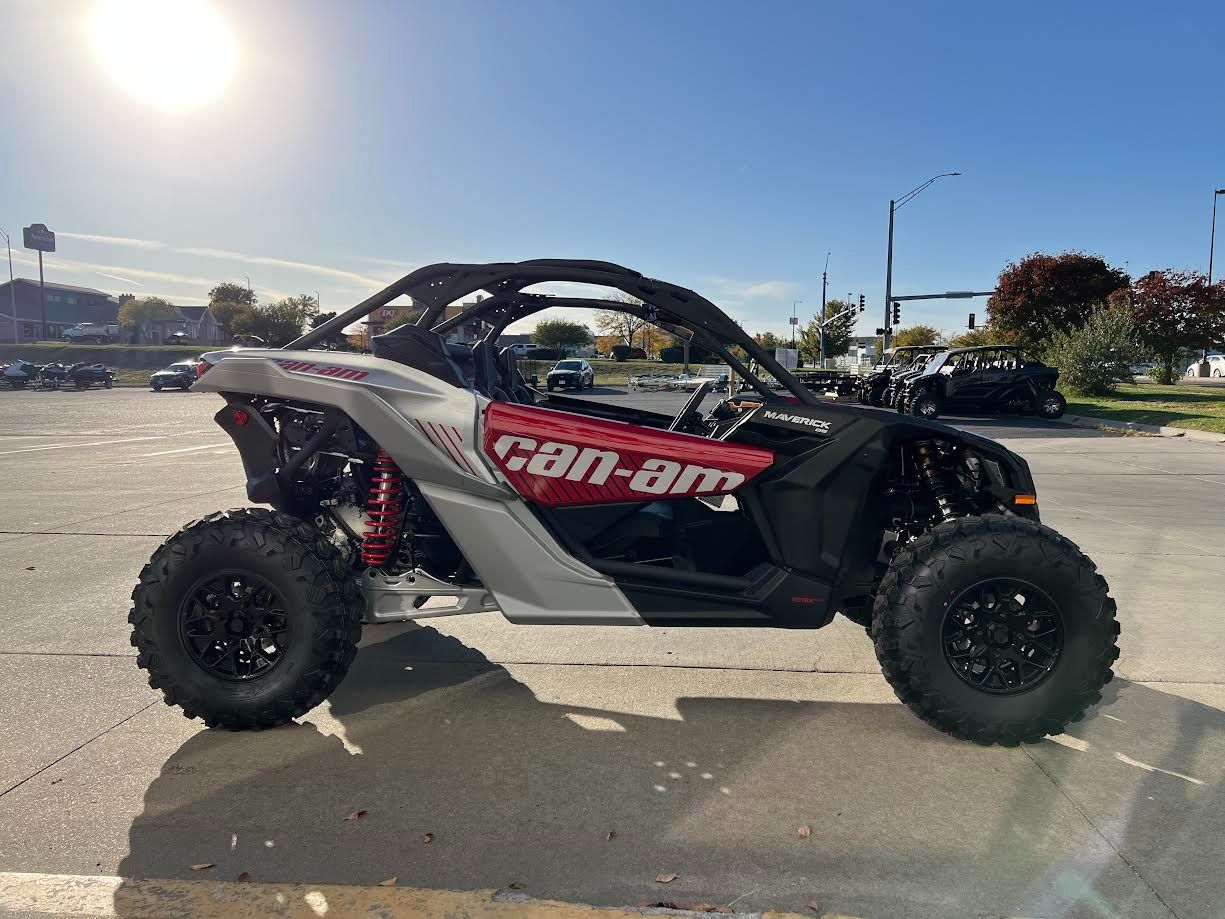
x=545 y=354
x=622 y=352
x=1097 y=355
x=673 y=354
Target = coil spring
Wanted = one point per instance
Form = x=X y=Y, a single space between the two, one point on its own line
x=384 y=509
x=938 y=479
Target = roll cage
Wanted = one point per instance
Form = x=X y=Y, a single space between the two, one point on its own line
x=669 y=306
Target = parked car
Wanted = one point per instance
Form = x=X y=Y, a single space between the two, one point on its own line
x=1216 y=366
x=872 y=387
x=991 y=377
x=248 y=341
x=571 y=373
x=521 y=348
x=180 y=375
x=98 y=332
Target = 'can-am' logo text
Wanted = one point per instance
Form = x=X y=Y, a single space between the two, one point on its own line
x=593 y=466
x=815 y=423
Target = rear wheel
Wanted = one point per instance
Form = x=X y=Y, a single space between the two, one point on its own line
x=1052 y=405
x=995 y=629
x=247 y=618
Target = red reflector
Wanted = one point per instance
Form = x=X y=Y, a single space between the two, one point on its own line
x=241 y=417
x=202 y=367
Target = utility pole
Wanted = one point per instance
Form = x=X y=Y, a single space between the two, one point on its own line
x=793 y=321
x=1211 y=239
x=824 y=283
x=884 y=341
x=250 y=293
x=12 y=287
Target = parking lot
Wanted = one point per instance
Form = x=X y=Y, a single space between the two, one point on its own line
x=581 y=763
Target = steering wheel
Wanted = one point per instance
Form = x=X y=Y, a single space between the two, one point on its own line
x=690 y=412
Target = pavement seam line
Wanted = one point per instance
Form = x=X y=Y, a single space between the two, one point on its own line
x=1102 y=836
x=78 y=748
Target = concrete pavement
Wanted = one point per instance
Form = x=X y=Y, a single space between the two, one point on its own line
x=522 y=749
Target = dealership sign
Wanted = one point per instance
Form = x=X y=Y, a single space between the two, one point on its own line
x=37 y=236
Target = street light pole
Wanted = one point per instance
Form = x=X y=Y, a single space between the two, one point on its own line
x=893 y=206
x=824 y=283
x=793 y=321
x=13 y=287
x=1212 y=238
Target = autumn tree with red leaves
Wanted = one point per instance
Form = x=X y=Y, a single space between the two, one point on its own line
x=1174 y=311
x=1044 y=293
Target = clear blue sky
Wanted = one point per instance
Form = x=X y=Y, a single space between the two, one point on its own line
x=724 y=146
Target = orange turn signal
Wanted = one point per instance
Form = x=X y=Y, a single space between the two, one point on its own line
x=1025 y=499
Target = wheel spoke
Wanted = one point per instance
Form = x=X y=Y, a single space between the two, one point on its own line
x=235 y=625
x=1002 y=636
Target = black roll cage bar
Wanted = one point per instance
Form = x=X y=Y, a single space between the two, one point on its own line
x=663 y=304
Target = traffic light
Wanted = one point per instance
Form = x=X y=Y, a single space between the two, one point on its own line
x=861 y=303
x=881 y=331
x=897 y=313
x=971 y=320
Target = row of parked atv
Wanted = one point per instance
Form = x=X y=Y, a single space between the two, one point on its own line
x=24 y=375
x=931 y=380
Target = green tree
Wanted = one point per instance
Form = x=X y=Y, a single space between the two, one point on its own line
x=1043 y=293
x=277 y=323
x=1097 y=355
x=912 y=335
x=838 y=333
x=137 y=314
x=225 y=292
x=973 y=338
x=1175 y=311
x=561 y=334
x=769 y=341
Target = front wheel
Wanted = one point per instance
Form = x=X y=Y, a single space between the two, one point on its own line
x=156 y=387
x=926 y=405
x=1052 y=405
x=247 y=618
x=995 y=629
x=82 y=384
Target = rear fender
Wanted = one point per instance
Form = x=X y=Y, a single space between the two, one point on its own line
x=427 y=425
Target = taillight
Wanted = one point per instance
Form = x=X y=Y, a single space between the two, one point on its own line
x=202 y=367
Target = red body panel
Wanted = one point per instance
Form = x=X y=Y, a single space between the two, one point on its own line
x=559 y=459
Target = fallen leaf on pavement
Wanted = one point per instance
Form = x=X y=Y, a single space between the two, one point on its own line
x=244 y=876
x=666 y=878
x=685 y=907
x=31 y=568
x=357 y=815
x=805 y=831
x=516 y=885
x=202 y=866
x=612 y=834
x=813 y=905
x=427 y=838
x=390 y=882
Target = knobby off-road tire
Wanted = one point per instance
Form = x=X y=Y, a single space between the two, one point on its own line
x=930 y=575
x=322 y=616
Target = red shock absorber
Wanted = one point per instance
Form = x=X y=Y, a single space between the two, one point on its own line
x=384 y=509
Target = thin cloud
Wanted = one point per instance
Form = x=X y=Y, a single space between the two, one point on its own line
x=754 y=290
x=75 y=267
x=115 y=240
x=119 y=278
x=323 y=270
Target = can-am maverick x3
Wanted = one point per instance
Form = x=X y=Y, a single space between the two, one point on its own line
x=428 y=479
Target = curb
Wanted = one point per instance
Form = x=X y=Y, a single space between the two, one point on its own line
x=130 y=898
x=1084 y=421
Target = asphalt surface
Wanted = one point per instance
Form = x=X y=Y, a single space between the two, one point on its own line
x=521 y=749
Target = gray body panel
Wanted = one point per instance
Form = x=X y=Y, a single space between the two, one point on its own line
x=432 y=430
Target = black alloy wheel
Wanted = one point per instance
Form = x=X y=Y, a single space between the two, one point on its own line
x=234 y=625
x=1003 y=636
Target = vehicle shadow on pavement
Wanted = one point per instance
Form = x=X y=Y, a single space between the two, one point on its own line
x=455 y=774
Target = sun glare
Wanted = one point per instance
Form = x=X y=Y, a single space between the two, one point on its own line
x=173 y=54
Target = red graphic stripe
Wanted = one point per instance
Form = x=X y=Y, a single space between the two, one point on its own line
x=452 y=435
